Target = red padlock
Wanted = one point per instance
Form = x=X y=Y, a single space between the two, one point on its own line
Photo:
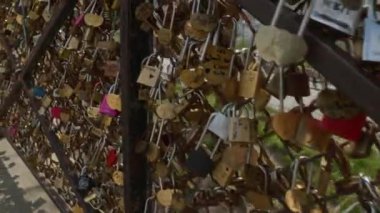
x=111 y=157
x=56 y=112
x=350 y=129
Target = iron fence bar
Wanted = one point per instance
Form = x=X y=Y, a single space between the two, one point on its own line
x=64 y=10
x=57 y=148
x=334 y=64
x=133 y=115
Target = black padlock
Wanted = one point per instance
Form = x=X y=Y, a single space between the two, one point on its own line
x=297 y=82
x=85 y=183
x=199 y=163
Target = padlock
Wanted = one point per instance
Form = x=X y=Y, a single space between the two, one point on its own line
x=229 y=88
x=371 y=30
x=335 y=105
x=166 y=110
x=191 y=31
x=279 y=45
x=149 y=74
x=38 y=92
x=297 y=82
x=222 y=173
x=153 y=151
x=191 y=77
x=111 y=103
x=251 y=79
x=207 y=21
x=165 y=35
x=334 y=14
x=297 y=198
x=241 y=127
x=219 y=124
x=232 y=160
x=350 y=129
x=85 y=183
x=217 y=58
x=198 y=161
x=111 y=158
x=362 y=148
x=301 y=128
x=259 y=200
x=118 y=178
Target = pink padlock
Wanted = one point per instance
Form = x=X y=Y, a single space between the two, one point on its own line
x=12 y=131
x=79 y=20
x=104 y=107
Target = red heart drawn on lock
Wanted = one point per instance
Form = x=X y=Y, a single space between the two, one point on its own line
x=350 y=129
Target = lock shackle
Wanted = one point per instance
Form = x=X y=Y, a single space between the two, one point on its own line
x=94 y=2
x=365 y=182
x=188 y=55
x=146 y=60
x=172 y=155
x=234 y=112
x=195 y=6
x=160 y=132
x=305 y=19
x=210 y=7
x=216 y=36
x=174 y=6
x=231 y=68
x=147 y=203
x=156 y=92
x=277 y=12
x=114 y=86
x=155 y=123
x=295 y=167
x=212 y=116
x=200 y=96
x=248 y=53
x=153 y=130
x=310 y=171
x=226 y=109
x=83 y=171
x=265 y=178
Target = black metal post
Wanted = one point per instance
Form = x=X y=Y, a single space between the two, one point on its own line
x=134 y=47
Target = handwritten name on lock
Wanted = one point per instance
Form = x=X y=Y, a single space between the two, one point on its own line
x=241 y=130
x=334 y=14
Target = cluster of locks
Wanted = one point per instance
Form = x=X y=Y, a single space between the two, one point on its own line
x=208 y=87
x=75 y=87
x=211 y=117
